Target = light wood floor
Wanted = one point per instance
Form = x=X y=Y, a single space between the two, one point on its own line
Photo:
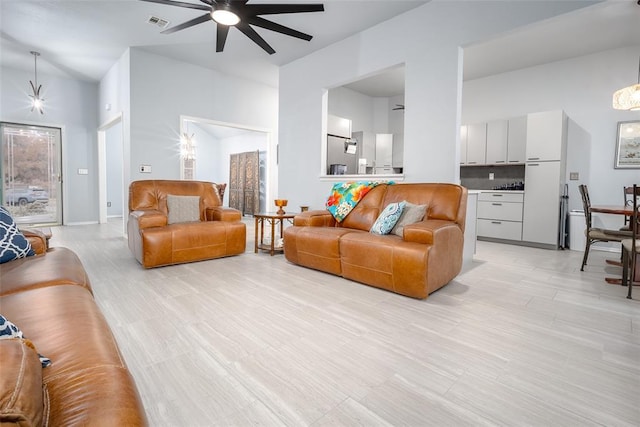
x=522 y=338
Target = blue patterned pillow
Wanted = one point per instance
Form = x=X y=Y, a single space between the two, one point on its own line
x=13 y=244
x=388 y=218
x=9 y=330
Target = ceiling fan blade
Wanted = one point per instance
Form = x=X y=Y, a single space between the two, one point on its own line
x=270 y=9
x=181 y=4
x=209 y=2
x=199 y=20
x=221 y=37
x=251 y=33
x=269 y=25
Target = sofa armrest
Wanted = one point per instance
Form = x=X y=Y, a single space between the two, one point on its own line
x=430 y=231
x=148 y=219
x=38 y=240
x=21 y=388
x=219 y=213
x=317 y=218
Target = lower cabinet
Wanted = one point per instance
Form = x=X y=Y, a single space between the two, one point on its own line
x=500 y=215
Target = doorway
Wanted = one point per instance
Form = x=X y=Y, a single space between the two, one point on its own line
x=31 y=182
x=215 y=142
x=111 y=173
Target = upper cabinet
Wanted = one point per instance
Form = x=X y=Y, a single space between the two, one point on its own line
x=546 y=136
x=476 y=144
x=338 y=126
x=497 y=133
x=517 y=140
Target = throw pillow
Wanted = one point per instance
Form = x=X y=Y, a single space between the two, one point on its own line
x=9 y=330
x=388 y=218
x=410 y=215
x=183 y=208
x=13 y=244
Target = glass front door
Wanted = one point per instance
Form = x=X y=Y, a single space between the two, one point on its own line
x=31 y=182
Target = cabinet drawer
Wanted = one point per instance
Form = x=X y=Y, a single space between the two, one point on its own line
x=500 y=210
x=501 y=197
x=509 y=230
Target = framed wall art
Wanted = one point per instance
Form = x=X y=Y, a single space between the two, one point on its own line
x=628 y=145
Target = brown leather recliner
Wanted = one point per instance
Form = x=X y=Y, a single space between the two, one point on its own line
x=154 y=242
x=424 y=259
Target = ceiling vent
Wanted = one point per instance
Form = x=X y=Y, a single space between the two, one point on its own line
x=160 y=22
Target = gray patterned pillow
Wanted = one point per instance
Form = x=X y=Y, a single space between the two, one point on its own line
x=410 y=215
x=183 y=208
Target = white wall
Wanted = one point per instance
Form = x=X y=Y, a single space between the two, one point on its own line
x=115 y=187
x=583 y=88
x=71 y=105
x=427 y=40
x=347 y=103
x=162 y=89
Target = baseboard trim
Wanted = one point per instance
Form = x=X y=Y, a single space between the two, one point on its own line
x=82 y=223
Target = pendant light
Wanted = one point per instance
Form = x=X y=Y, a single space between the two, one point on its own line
x=36 y=102
x=628 y=98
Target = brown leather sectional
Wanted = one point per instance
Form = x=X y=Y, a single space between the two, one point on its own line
x=49 y=298
x=427 y=257
x=155 y=242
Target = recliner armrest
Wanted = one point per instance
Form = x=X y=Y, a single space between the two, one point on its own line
x=429 y=231
x=37 y=239
x=317 y=218
x=148 y=219
x=219 y=213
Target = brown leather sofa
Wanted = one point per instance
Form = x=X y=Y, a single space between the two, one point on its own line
x=49 y=297
x=427 y=257
x=154 y=242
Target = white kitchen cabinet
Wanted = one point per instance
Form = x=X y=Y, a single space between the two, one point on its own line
x=338 y=126
x=546 y=136
x=384 y=150
x=517 y=140
x=541 y=217
x=476 y=144
x=497 y=131
x=398 y=150
x=500 y=215
x=366 y=146
x=463 y=145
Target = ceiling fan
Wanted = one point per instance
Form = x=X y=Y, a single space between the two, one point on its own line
x=240 y=14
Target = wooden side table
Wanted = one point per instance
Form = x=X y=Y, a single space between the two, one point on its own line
x=274 y=220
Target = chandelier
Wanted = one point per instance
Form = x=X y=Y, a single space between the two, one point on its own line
x=36 y=102
x=187 y=147
x=628 y=98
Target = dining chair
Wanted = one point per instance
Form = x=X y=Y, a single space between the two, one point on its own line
x=629 y=193
x=631 y=247
x=594 y=234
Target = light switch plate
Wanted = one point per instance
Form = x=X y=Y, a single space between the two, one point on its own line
x=83 y=171
x=574 y=176
x=491 y=176
x=145 y=168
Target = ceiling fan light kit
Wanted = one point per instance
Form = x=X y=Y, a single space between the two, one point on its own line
x=243 y=16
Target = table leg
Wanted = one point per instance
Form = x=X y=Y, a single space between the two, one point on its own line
x=273 y=236
x=255 y=236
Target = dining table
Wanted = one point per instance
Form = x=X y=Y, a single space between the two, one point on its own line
x=618 y=210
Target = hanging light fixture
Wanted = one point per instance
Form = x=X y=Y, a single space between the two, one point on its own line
x=628 y=98
x=36 y=102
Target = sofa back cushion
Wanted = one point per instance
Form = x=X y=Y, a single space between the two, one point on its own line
x=364 y=215
x=444 y=201
x=152 y=194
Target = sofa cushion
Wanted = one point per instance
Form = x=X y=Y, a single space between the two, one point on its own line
x=388 y=218
x=183 y=208
x=8 y=330
x=21 y=390
x=410 y=214
x=13 y=244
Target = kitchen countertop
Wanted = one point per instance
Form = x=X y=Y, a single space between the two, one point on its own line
x=498 y=191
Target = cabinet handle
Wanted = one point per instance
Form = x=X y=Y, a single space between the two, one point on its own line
x=496 y=222
x=497 y=195
x=496 y=204
x=514 y=161
x=499 y=161
x=471 y=163
x=533 y=158
x=533 y=164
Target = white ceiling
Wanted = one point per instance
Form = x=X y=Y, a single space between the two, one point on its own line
x=83 y=38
